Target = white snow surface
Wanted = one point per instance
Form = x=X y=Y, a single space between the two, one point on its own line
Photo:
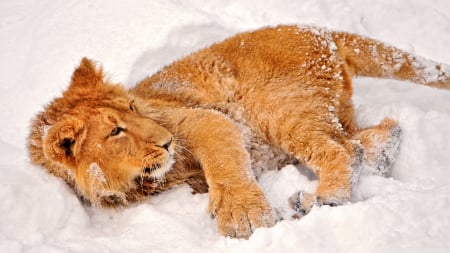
x=42 y=41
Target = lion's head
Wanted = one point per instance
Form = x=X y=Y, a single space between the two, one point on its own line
x=96 y=140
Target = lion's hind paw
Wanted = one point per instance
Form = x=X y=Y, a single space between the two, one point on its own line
x=302 y=202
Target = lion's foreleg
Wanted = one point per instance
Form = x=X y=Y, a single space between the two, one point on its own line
x=235 y=198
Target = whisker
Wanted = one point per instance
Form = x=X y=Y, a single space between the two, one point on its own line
x=142 y=181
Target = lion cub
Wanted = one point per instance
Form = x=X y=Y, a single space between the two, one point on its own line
x=255 y=101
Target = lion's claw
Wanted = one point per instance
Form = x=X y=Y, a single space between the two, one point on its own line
x=241 y=223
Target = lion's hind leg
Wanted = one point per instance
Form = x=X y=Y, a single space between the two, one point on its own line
x=332 y=156
x=381 y=146
x=337 y=161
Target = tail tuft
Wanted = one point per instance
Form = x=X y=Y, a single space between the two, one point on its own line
x=371 y=58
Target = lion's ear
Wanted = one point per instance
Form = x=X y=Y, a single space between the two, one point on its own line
x=62 y=143
x=86 y=76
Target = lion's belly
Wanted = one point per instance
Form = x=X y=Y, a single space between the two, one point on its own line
x=264 y=156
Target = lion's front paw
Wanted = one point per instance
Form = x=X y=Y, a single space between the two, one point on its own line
x=240 y=210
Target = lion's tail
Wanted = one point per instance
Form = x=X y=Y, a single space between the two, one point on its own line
x=371 y=58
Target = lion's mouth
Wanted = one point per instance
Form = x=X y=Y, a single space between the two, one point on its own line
x=158 y=161
x=150 y=170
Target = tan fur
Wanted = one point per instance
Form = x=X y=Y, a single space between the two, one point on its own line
x=215 y=114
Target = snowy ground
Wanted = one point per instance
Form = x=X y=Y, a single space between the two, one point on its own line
x=42 y=41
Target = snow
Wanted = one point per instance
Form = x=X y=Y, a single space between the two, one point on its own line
x=42 y=41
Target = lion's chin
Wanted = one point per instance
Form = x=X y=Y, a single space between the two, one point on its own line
x=160 y=171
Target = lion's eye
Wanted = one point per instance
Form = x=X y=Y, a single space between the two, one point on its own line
x=116 y=131
x=132 y=106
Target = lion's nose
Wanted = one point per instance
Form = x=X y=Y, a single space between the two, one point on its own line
x=167 y=144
